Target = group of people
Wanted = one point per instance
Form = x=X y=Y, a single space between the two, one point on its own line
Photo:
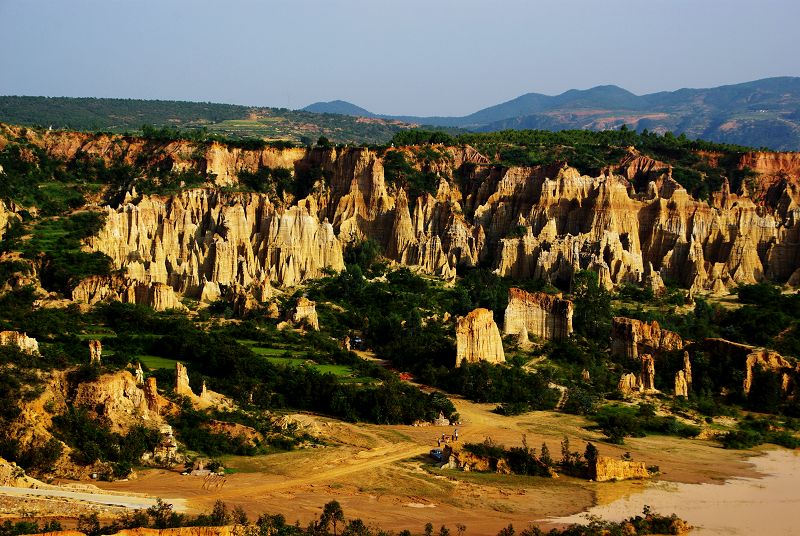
x=446 y=438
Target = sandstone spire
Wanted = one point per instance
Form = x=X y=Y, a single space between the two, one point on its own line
x=681 y=385
x=95 y=351
x=478 y=339
x=139 y=374
x=182 y=387
x=305 y=311
x=648 y=376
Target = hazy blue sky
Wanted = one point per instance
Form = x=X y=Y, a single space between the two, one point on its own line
x=420 y=57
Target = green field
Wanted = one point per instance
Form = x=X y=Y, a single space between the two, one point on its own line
x=154 y=362
x=99 y=335
x=289 y=361
x=282 y=354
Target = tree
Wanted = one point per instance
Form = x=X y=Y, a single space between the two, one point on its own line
x=429 y=529
x=239 y=516
x=566 y=455
x=592 y=316
x=545 y=456
x=591 y=452
x=323 y=142
x=332 y=513
x=161 y=513
x=89 y=524
x=356 y=527
x=507 y=531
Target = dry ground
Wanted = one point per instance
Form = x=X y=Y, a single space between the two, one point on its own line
x=382 y=475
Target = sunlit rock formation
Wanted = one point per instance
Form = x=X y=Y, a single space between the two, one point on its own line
x=478 y=339
x=546 y=316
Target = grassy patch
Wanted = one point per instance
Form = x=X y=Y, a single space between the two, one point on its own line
x=154 y=362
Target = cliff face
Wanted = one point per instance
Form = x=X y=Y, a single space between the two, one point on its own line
x=8 y=214
x=542 y=315
x=478 y=339
x=157 y=295
x=605 y=468
x=632 y=338
x=632 y=223
x=20 y=340
x=748 y=359
x=201 y=236
x=118 y=400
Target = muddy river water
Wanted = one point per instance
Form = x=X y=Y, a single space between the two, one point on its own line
x=769 y=505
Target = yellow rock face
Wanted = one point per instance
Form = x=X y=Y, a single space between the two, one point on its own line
x=20 y=340
x=605 y=468
x=545 y=316
x=631 y=338
x=478 y=339
x=631 y=224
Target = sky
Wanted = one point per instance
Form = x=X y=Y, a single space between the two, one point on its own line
x=411 y=57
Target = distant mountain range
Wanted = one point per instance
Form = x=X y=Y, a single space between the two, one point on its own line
x=764 y=113
x=760 y=113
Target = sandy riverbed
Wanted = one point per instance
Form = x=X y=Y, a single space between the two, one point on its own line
x=767 y=505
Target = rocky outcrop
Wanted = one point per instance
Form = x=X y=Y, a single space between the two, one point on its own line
x=767 y=360
x=632 y=338
x=139 y=373
x=546 y=316
x=182 y=387
x=10 y=474
x=681 y=385
x=165 y=452
x=644 y=382
x=595 y=223
x=205 y=399
x=95 y=352
x=747 y=359
x=460 y=458
x=687 y=369
x=8 y=214
x=606 y=468
x=247 y=434
x=305 y=313
x=156 y=404
x=117 y=399
x=629 y=384
x=478 y=339
x=647 y=379
x=683 y=378
x=26 y=344
x=97 y=289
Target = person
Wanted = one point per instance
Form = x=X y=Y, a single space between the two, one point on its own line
x=438 y=442
x=455 y=434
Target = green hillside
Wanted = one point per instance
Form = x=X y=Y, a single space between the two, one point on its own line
x=229 y=120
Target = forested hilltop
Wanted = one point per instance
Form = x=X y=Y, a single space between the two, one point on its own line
x=228 y=120
x=617 y=275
